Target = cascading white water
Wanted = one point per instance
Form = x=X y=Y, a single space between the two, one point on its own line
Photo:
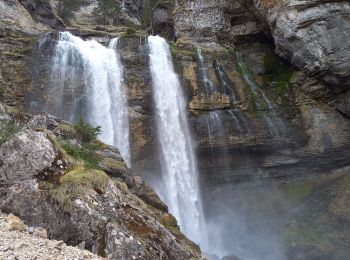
x=91 y=75
x=178 y=159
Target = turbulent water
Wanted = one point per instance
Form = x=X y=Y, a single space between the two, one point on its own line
x=86 y=81
x=177 y=156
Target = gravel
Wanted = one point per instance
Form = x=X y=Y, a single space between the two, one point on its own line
x=21 y=245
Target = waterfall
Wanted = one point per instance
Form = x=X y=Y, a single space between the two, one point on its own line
x=224 y=82
x=203 y=72
x=86 y=81
x=262 y=102
x=177 y=156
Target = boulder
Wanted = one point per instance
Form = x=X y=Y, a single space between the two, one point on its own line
x=23 y=156
x=15 y=223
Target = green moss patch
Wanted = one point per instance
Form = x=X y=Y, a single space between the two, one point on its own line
x=84 y=153
x=8 y=129
x=278 y=73
x=112 y=164
x=77 y=183
x=256 y=100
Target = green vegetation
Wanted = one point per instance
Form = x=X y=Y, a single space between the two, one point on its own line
x=66 y=130
x=86 y=145
x=170 y=223
x=130 y=31
x=247 y=75
x=107 y=11
x=113 y=164
x=84 y=153
x=84 y=174
x=78 y=182
x=278 y=74
x=85 y=133
x=8 y=129
x=66 y=8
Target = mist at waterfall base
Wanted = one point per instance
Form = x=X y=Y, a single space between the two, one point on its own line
x=86 y=81
x=239 y=219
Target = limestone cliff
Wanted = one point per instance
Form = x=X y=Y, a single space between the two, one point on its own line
x=271 y=133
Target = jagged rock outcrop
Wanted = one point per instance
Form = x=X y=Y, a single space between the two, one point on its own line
x=49 y=187
x=35 y=153
x=210 y=23
x=313 y=35
x=42 y=11
x=14 y=16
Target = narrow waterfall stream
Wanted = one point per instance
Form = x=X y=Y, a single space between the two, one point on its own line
x=274 y=122
x=181 y=189
x=86 y=81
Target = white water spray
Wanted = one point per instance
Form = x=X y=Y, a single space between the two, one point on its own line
x=91 y=75
x=177 y=156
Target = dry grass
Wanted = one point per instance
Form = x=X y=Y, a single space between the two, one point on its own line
x=269 y=3
x=78 y=183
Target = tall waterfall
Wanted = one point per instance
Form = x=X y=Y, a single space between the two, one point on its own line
x=86 y=81
x=177 y=156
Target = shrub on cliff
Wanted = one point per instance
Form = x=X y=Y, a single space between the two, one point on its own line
x=84 y=132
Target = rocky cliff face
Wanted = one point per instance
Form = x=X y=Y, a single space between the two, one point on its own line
x=268 y=99
x=51 y=181
x=215 y=22
x=312 y=35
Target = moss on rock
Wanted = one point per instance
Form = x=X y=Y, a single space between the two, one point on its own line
x=78 y=182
